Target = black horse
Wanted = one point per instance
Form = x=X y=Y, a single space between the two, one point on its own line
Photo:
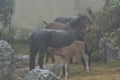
x=40 y=40
x=66 y=20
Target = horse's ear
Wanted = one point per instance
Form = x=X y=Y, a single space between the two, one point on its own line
x=90 y=13
x=78 y=13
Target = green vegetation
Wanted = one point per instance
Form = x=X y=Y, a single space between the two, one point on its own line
x=6 y=12
x=106 y=23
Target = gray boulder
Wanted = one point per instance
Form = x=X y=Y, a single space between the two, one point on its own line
x=40 y=74
x=7 y=61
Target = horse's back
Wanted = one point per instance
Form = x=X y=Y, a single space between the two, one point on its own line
x=39 y=39
x=62 y=37
x=55 y=25
x=75 y=47
x=62 y=19
x=52 y=38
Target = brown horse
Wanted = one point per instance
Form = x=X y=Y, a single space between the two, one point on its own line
x=58 y=23
x=55 y=25
x=67 y=52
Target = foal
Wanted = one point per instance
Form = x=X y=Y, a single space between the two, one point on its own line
x=67 y=52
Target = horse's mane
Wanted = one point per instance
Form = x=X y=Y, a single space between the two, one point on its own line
x=77 y=21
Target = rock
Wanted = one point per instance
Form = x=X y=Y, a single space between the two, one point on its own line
x=118 y=57
x=108 y=51
x=40 y=74
x=7 y=61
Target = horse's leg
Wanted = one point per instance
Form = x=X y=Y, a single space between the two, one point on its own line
x=62 y=68
x=50 y=55
x=32 y=59
x=47 y=57
x=67 y=59
x=83 y=62
x=85 y=56
x=52 y=58
x=66 y=71
x=71 y=60
x=88 y=53
x=41 y=58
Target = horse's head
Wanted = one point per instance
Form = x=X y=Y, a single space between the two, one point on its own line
x=82 y=23
x=85 y=23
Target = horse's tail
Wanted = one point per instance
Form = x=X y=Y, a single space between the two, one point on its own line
x=45 y=22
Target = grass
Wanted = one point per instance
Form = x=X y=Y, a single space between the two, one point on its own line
x=97 y=72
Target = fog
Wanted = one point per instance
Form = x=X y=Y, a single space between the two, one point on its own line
x=31 y=13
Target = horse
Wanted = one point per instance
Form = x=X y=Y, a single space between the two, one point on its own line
x=63 y=20
x=66 y=20
x=41 y=39
x=68 y=52
x=56 y=24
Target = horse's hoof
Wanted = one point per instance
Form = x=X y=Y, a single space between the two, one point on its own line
x=59 y=78
x=66 y=77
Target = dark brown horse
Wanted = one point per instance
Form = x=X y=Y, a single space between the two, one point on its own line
x=56 y=24
x=40 y=40
x=63 y=20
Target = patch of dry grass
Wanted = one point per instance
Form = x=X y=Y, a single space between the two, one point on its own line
x=97 y=72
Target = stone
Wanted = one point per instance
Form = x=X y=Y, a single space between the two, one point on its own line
x=107 y=49
x=7 y=61
x=40 y=74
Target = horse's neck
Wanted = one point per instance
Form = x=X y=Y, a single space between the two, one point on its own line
x=78 y=29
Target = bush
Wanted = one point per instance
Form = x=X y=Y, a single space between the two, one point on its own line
x=106 y=22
